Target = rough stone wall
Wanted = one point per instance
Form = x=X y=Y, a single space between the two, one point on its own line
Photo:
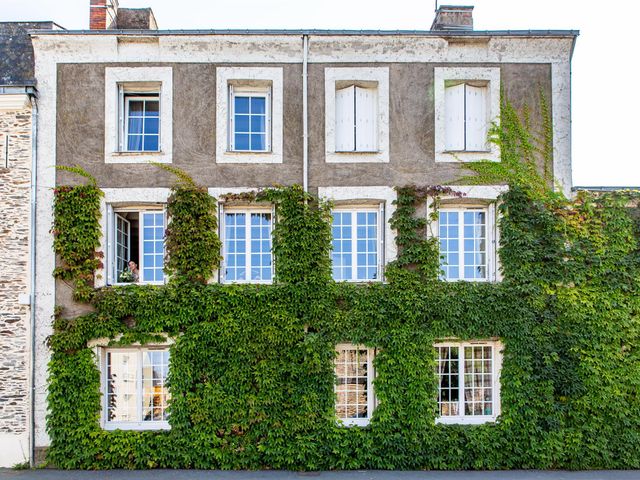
x=14 y=273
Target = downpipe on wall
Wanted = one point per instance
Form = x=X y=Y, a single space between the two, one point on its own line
x=305 y=127
x=32 y=277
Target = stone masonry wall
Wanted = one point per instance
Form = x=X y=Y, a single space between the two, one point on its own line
x=14 y=273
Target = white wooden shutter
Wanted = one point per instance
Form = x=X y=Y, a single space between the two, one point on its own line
x=110 y=246
x=121 y=119
x=365 y=120
x=454 y=117
x=476 y=118
x=345 y=119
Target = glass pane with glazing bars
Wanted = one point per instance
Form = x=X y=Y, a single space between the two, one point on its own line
x=155 y=395
x=478 y=385
x=352 y=389
x=247 y=248
x=121 y=388
x=250 y=122
x=143 y=124
x=463 y=244
x=448 y=381
x=153 y=246
x=355 y=245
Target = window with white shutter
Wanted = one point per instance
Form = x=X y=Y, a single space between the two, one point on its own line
x=356 y=129
x=466 y=118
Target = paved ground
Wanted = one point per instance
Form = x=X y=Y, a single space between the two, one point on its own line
x=6 y=474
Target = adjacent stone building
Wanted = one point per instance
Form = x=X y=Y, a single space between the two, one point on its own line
x=18 y=110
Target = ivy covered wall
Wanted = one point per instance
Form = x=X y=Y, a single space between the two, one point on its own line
x=251 y=371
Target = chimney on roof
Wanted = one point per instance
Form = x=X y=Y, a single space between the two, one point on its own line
x=453 y=18
x=103 y=14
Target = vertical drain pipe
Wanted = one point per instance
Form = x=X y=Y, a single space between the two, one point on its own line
x=305 y=126
x=32 y=279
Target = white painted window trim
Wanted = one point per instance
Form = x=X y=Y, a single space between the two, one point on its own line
x=487 y=196
x=380 y=210
x=101 y=348
x=225 y=77
x=114 y=76
x=111 y=241
x=380 y=75
x=135 y=199
x=441 y=75
x=354 y=196
x=463 y=419
x=371 y=394
x=248 y=210
x=490 y=226
x=265 y=93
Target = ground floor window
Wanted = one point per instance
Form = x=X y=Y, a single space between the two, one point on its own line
x=134 y=387
x=354 y=387
x=468 y=381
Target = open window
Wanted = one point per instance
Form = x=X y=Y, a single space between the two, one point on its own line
x=136 y=245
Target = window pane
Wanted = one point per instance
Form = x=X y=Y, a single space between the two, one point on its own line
x=242 y=141
x=153 y=241
x=341 y=254
x=352 y=395
x=121 y=388
x=136 y=108
x=241 y=104
x=134 y=143
x=151 y=143
x=135 y=125
x=152 y=108
x=258 y=142
x=152 y=125
x=258 y=124
x=448 y=381
x=242 y=123
x=258 y=104
x=155 y=394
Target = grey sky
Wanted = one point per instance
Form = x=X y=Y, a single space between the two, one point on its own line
x=605 y=107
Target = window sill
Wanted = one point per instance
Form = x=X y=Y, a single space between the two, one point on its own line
x=111 y=426
x=377 y=156
x=353 y=422
x=453 y=156
x=138 y=157
x=234 y=156
x=470 y=420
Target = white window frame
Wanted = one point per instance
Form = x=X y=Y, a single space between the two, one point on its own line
x=140 y=424
x=334 y=77
x=447 y=75
x=124 y=127
x=496 y=364
x=256 y=79
x=119 y=80
x=371 y=397
x=490 y=240
x=354 y=209
x=252 y=92
x=112 y=212
x=248 y=211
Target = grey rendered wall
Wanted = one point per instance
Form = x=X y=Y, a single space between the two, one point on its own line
x=80 y=128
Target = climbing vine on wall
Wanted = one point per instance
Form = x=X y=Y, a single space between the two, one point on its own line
x=251 y=372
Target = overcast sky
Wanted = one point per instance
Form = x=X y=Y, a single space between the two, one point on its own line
x=605 y=107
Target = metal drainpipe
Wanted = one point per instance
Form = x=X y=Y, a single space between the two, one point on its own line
x=305 y=128
x=32 y=280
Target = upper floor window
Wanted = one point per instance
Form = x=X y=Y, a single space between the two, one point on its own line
x=464 y=243
x=468 y=381
x=466 y=103
x=356 y=244
x=249 y=114
x=356 y=126
x=357 y=114
x=139 y=114
x=247 y=256
x=134 y=382
x=250 y=119
x=466 y=120
x=354 y=384
x=141 y=122
x=136 y=246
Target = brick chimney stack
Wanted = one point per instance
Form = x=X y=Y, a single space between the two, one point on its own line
x=103 y=14
x=453 y=18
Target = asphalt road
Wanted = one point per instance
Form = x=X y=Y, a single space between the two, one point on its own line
x=46 y=474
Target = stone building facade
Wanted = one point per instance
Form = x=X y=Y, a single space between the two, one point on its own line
x=112 y=100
